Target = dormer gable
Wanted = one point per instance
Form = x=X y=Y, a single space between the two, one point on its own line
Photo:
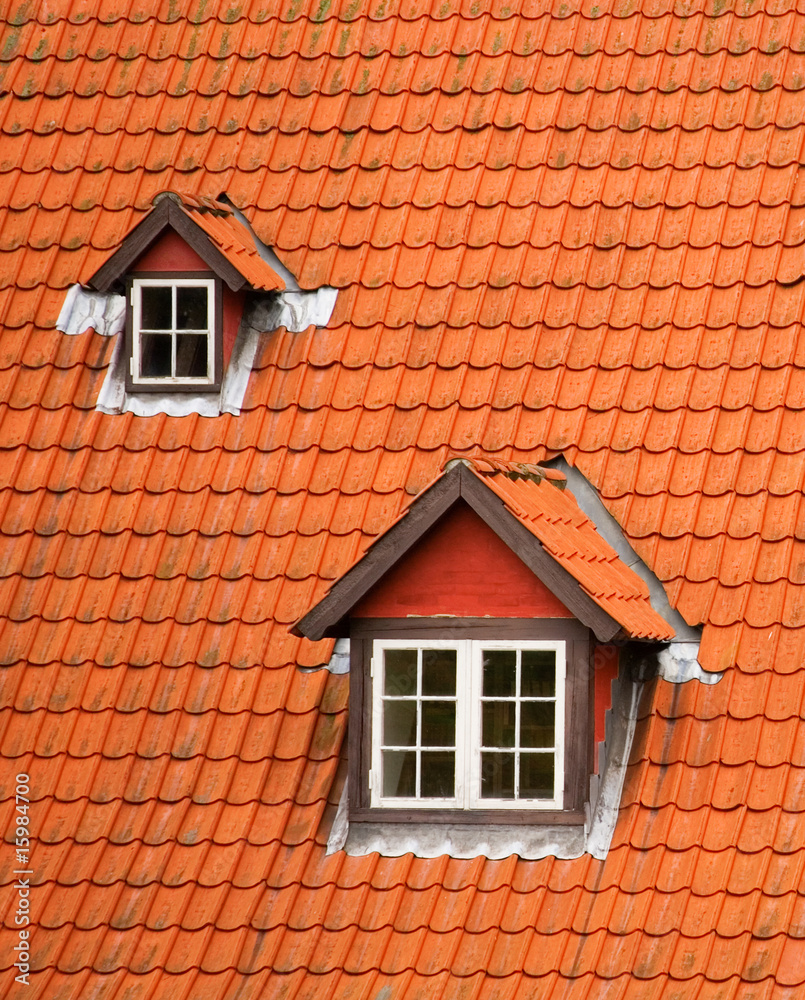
x=209 y=228
x=530 y=513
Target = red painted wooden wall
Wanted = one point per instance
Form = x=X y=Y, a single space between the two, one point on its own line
x=461 y=567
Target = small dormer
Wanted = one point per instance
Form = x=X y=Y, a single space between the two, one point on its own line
x=184 y=270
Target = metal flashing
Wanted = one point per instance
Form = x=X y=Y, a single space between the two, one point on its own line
x=84 y=309
x=678 y=662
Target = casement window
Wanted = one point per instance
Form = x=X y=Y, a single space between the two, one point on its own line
x=174 y=333
x=469 y=720
x=468 y=724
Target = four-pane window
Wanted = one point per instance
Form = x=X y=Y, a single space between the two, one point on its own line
x=173 y=331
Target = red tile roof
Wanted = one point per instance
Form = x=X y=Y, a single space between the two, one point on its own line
x=555 y=519
x=556 y=228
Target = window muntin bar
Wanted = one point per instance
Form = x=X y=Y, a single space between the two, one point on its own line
x=173 y=331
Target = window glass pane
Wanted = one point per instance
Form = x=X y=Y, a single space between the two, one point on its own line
x=191 y=355
x=400 y=672
x=537 y=725
x=399 y=723
x=538 y=677
x=500 y=666
x=497 y=775
x=399 y=773
x=155 y=308
x=498 y=722
x=191 y=308
x=438 y=780
x=438 y=671
x=438 y=723
x=155 y=355
x=536 y=775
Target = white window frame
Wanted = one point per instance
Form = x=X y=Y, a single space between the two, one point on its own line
x=135 y=300
x=469 y=686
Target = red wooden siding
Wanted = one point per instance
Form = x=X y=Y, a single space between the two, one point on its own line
x=461 y=567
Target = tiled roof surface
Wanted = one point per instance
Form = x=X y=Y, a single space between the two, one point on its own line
x=551 y=514
x=556 y=227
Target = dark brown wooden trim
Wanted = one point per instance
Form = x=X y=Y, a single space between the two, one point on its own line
x=192 y=388
x=578 y=732
x=360 y=740
x=166 y=215
x=218 y=345
x=170 y=275
x=469 y=628
x=525 y=816
x=128 y=334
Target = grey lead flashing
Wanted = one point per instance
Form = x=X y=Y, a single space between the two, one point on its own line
x=678 y=662
x=114 y=398
x=105 y=313
x=588 y=500
x=425 y=840
x=265 y=251
x=84 y=309
x=339 y=661
x=294 y=310
x=606 y=788
x=340 y=828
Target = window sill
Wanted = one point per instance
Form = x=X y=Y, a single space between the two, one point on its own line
x=467 y=840
x=167 y=386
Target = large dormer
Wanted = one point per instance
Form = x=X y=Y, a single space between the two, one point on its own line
x=476 y=622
